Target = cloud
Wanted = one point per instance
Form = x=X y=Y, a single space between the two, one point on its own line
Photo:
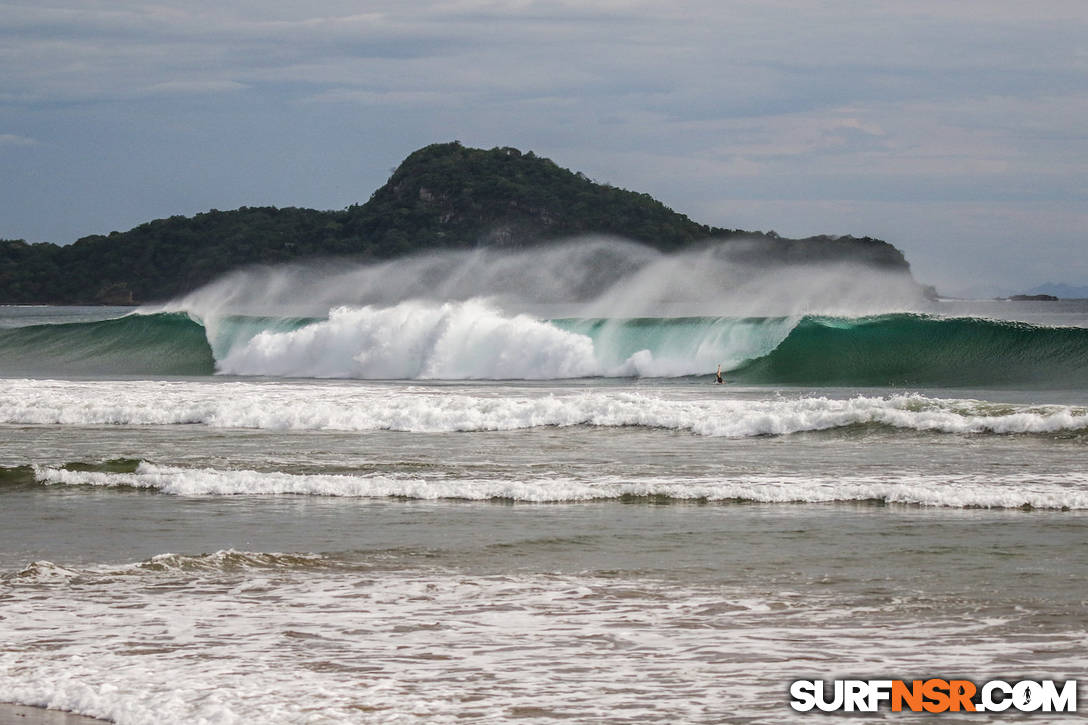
x=386 y=98
x=708 y=104
x=707 y=59
x=11 y=139
x=193 y=87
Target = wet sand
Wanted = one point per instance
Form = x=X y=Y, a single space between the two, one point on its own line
x=23 y=715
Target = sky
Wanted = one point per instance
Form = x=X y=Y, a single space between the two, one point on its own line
x=955 y=129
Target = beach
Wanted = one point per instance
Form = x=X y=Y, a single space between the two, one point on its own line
x=23 y=715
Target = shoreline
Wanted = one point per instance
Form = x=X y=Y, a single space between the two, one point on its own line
x=12 y=714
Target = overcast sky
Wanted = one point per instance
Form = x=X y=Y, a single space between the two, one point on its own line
x=957 y=130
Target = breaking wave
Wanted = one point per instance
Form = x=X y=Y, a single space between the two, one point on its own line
x=356 y=407
x=473 y=340
x=1056 y=491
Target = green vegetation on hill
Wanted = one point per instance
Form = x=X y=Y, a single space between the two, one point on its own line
x=442 y=196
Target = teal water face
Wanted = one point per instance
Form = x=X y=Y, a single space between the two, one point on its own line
x=915 y=350
x=470 y=340
x=163 y=344
x=678 y=346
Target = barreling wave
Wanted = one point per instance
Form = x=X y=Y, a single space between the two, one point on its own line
x=165 y=343
x=1068 y=491
x=910 y=349
x=472 y=340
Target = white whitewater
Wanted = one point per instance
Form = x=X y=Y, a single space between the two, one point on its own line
x=1067 y=491
x=363 y=407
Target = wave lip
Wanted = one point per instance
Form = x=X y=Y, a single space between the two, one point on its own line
x=1054 y=491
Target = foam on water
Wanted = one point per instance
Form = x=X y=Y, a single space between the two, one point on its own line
x=474 y=340
x=301 y=638
x=1043 y=491
x=416 y=340
x=284 y=406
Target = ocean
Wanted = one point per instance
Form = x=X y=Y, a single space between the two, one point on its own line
x=459 y=510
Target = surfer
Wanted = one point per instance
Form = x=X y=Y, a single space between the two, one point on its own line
x=719 y=374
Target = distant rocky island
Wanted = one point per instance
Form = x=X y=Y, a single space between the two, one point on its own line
x=443 y=196
x=1060 y=291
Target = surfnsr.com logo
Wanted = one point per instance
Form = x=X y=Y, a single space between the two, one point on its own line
x=933 y=695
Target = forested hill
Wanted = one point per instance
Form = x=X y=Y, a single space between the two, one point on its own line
x=441 y=196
